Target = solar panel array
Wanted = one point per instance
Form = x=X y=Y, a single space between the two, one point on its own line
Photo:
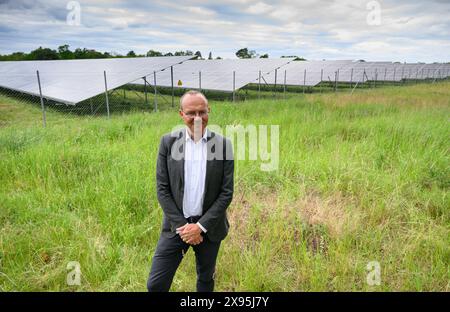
x=72 y=81
x=220 y=75
x=386 y=71
x=311 y=73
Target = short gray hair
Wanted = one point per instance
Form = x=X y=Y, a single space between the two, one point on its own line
x=192 y=92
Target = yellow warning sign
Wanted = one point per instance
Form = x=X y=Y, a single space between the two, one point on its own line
x=180 y=83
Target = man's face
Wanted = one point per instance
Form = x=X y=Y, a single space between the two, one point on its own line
x=194 y=113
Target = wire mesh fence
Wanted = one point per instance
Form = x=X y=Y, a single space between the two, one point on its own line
x=146 y=95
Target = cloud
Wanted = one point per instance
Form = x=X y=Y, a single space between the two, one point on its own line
x=315 y=29
x=259 y=8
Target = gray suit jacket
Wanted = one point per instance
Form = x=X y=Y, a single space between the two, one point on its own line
x=218 y=192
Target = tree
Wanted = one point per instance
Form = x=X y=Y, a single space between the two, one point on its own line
x=210 y=56
x=218 y=58
x=16 y=56
x=153 y=53
x=245 y=53
x=89 y=54
x=43 y=54
x=183 y=53
x=198 y=54
x=296 y=58
x=131 y=54
x=64 y=52
x=264 y=56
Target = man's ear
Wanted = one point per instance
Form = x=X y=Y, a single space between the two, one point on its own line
x=181 y=113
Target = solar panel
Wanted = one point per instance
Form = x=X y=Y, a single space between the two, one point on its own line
x=436 y=70
x=72 y=81
x=217 y=74
x=316 y=71
x=356 y=71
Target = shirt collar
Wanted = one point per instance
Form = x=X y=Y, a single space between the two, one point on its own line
x=204 y=137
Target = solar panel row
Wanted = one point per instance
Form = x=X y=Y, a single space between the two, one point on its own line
x=72 y=81
x=221 y=75
x=311 y=73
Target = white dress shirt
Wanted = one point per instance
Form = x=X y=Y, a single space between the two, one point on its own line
x=194 y=176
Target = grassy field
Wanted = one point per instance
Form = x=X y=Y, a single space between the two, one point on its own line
x=361 y=178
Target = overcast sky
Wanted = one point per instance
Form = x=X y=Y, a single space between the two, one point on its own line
x=315 y=29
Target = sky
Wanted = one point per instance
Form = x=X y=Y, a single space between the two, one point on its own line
x=385 y=30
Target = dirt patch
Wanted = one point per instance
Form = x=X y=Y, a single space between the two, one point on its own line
x=244 y=217
x=325 y=211
x=313 y=219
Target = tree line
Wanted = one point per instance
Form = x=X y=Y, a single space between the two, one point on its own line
x=64 y=53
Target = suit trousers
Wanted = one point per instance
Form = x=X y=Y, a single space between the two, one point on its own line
x=168 y=255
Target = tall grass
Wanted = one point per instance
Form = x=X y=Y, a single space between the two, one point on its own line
x=362 y=178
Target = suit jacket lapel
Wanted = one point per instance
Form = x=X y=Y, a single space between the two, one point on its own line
x=209 y=163
x=180 y=166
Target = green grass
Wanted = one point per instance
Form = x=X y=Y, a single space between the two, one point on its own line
x=362 y=178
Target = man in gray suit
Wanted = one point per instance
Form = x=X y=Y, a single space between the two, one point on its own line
x=194 y=176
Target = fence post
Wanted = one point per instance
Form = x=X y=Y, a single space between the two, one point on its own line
x=284 y=87
x=44 y=118
x=200 y=81
x=234 y=86
x=106 y=93
x=351 y=79
x=145 y=91
x=304 y=81
x=171 y=81
x=275 y=85
x=364 y=75
x=321 y=79
x=259 y=85
x=156 y=95
x=335 y=81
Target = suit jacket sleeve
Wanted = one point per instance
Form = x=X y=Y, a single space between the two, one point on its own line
x=165 y=197
x=217 y=209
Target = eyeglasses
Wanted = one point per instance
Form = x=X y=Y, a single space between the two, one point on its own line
x=193 y=114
